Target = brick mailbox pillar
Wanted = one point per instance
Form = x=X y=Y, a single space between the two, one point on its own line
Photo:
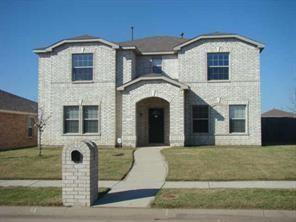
x=80 y=174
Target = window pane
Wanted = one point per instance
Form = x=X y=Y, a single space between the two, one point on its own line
x=200 y=111
x=156 y=69
x=217 y=73
x=200 y=118
x=71 y=126
x=90 y=115
x=82 y=74
x=30 y=132
x=157 y=65
x=82 y=67
x=156 y=62
x=218 y=66
x=237 y=111
x=90 y=112
x=90 y=126
x=80 y=60
x=71 y=112
x=237 y=126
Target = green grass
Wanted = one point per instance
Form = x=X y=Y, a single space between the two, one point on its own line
x=114 y=163
x=28 y=196
x=231 y=163
x=226 y=198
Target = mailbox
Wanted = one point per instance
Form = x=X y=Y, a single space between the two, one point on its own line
x=80 y=174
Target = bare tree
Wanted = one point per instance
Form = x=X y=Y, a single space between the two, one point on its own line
x=40 y=123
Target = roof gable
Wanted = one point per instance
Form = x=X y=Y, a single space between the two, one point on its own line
x=153 y=76
x=220 y=35
x=77 y=39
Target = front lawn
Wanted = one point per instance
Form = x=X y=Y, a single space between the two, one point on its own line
x=231 y=163
x=114 y=163
x=29 y=196
x=226 y=198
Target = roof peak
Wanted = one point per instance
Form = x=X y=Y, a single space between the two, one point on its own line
x=155 y=37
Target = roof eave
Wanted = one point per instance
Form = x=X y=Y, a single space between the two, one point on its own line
x=255 y=43
x=143 y=78
x=50 y=49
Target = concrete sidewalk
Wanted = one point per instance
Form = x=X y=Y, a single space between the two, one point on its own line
x=73 y=214
x=49 y=183
x=280 y=184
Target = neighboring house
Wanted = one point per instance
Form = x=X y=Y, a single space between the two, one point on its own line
x=151 y=91
x=17 y=121
x=278 y=127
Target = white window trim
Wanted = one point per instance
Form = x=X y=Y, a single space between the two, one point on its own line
x=64 y=120
x=229 y=67
x=86 y=119
x=80 y=121
x=80 y=67
x=246 y=119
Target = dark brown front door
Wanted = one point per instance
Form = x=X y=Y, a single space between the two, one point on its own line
x=156 y=125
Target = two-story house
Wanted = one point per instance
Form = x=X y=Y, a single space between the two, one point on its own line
x=151 y=91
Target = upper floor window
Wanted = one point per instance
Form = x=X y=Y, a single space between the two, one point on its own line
x=82 y=67
x=156 y=65
x=237 y=118
x=200 y=118
x=218 y=66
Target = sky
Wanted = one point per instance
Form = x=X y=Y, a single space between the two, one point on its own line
x=29 y=24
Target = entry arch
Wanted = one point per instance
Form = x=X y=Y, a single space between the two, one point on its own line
x=152 y=121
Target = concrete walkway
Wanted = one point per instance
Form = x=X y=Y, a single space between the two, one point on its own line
x=275 y=184
x=141 y=184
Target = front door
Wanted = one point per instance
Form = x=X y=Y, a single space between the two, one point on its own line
x=156 y=125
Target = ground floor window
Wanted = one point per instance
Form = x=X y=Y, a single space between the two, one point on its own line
x=30 y=127
x=90 y=119
x=200 y=118
x=72 y=117
x=237 y=118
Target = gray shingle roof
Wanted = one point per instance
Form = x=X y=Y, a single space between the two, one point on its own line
x=150 y=44
x=155 y=43
x=80 y=37
x=277 y=113
x=11 y=102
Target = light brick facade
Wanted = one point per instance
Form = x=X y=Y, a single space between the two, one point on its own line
x=119 y=116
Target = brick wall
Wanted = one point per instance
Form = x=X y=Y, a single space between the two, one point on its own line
x=14 y=132
x=169 y=65
x=243 y=87
x=117 y=116
x=57 y=90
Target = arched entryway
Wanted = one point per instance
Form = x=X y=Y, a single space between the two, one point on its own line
x=152 y=122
